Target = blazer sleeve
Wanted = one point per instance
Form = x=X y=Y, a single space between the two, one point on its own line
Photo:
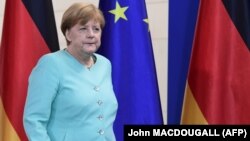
x=42 y=89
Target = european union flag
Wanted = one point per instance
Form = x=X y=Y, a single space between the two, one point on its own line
x=127 y=43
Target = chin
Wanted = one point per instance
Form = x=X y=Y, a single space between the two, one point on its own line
x=91 y=52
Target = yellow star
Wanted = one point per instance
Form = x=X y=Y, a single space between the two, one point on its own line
x=119 y=12
x=146 y=21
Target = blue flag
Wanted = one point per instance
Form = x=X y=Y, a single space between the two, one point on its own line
x=127 y=43
x=182 y=20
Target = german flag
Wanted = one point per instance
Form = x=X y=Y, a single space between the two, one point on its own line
x=218 y=85
x=29 y=31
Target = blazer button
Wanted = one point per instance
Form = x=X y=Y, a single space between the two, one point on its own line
x=101 y=132
x=96 y=88
x=100 y=117
x=99 y=102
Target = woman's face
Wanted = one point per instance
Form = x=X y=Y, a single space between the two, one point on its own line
x=85 y=38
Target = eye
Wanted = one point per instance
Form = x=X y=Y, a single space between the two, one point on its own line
x=83 y=28
x=97 y=29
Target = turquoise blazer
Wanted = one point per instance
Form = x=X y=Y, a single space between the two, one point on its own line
x=68 y=102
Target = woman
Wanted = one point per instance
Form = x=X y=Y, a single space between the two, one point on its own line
x=70 y=94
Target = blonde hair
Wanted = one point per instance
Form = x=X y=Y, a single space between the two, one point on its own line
x=81 y=13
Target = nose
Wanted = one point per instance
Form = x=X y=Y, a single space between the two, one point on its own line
x=90 y=33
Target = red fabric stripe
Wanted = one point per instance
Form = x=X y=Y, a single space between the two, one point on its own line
x=22 y=45
x=220 y=67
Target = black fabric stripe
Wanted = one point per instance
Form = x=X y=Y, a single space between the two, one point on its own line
x=239 y=11
x=42 y=14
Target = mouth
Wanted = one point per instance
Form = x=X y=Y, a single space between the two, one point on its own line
x=90 y=43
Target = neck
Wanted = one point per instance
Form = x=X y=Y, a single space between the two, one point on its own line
x=86 y=59
x=89 y=63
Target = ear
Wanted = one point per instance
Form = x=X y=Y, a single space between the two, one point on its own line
x=68 y=35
